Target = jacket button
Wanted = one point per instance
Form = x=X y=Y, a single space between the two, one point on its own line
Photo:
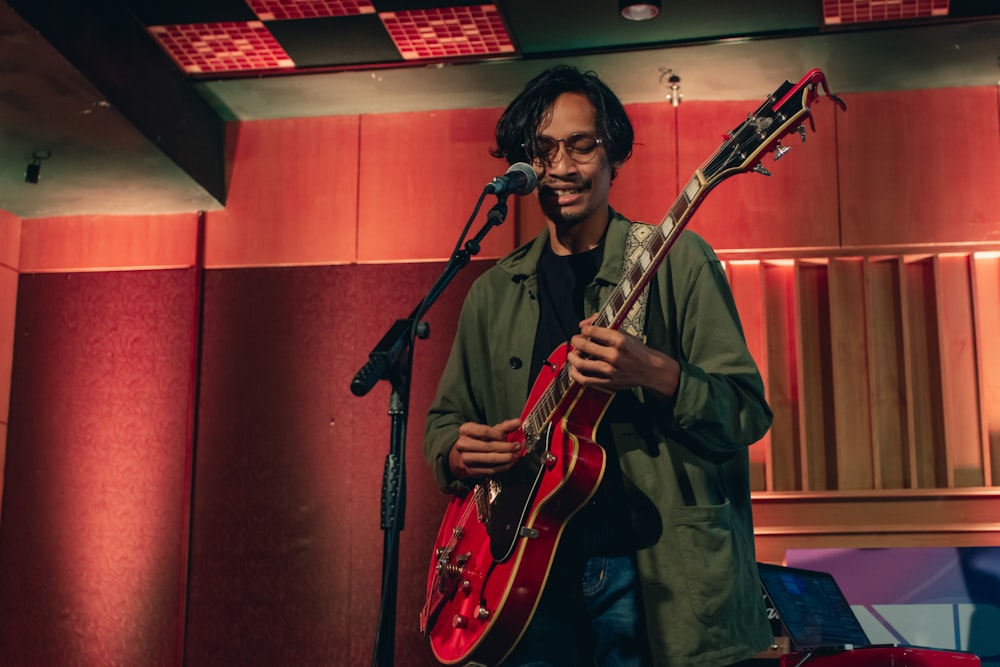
x=515 y=363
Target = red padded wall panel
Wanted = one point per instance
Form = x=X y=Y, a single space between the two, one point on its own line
x=286 y=538
x=94 y=521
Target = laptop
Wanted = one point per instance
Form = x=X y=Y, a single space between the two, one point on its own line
x=812 y=609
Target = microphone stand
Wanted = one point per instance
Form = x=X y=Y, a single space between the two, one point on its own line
x=392 y=359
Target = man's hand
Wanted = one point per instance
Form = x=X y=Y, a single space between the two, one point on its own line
x=614 y=360
x=483 y=450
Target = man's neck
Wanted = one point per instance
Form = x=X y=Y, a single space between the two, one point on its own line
x=580 y=237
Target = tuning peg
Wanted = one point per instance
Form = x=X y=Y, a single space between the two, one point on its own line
x=780 y=150
x=760 y=169
x=802 y=132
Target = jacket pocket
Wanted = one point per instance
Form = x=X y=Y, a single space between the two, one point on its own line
x=708 y=559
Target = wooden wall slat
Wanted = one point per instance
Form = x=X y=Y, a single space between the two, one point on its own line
x=986 y=295
x=849 y=376
x=780 y=318
x=925 y=375
x=819 y=428
x=891 y=435
x=959 y=384
x=746 y=282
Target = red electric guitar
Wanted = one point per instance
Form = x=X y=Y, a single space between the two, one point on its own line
x=496 y=543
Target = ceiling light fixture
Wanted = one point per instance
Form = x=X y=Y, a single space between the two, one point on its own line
x=34 y=169
x=638 y=11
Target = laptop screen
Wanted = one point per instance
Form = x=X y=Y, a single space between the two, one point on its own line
x=812 y=608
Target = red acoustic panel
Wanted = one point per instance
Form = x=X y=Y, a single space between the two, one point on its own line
x=95 y=506
x=448 y=32
x=221 y=47
x=283 y=10
x=286 y=540
x=867 y=11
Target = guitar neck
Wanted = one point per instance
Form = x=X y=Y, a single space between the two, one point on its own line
x=779 y=115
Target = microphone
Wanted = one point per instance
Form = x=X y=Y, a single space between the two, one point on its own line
x=520 y=179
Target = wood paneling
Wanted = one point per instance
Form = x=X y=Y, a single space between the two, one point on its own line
x=747 y=284
x=959 y=384
x=795 y=207
x=10 y=240
x=920 y=166
x=780 y=315
x=647 y=185
x=293 y=195
x=986 y=284
x=103 y=242
x=851 y=394
x=887 y=374
x=882 y=370
x=420 y=177
x=842 y=519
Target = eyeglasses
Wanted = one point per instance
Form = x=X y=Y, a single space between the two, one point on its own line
x=580 y=147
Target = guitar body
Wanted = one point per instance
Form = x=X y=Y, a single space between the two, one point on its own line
x=496 y=544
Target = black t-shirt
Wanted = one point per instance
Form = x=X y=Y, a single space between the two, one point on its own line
x=602 y=526
x=562 y=280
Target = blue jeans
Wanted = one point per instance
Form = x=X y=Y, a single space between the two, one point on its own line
x=594 y=621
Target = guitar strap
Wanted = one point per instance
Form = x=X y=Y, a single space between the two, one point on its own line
x=635 y=324
x=638 y=233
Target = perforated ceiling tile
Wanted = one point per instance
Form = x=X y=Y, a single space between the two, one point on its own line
x=222 y=47
x=866 y=11
x=282 y=10
x=448 y=32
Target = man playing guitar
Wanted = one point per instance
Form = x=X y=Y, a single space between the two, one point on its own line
x=657 y=564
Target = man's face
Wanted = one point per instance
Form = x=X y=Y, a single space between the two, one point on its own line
x=573 y=185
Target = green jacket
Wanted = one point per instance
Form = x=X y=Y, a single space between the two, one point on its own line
x=684 y=466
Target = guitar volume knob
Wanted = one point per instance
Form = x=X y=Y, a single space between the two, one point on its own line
x=459 y=621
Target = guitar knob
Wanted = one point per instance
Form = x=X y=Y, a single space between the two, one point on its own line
x=549 y=460
x=459 y=621
x=465 y=586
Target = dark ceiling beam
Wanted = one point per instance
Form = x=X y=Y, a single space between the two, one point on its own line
x=102 y=40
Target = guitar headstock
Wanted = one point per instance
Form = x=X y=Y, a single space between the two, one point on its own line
x=783 y=113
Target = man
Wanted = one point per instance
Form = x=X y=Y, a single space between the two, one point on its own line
x=659 y=568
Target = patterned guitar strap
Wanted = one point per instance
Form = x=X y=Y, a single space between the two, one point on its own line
x=635 y=322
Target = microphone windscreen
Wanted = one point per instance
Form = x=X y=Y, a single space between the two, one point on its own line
x=530 y=178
